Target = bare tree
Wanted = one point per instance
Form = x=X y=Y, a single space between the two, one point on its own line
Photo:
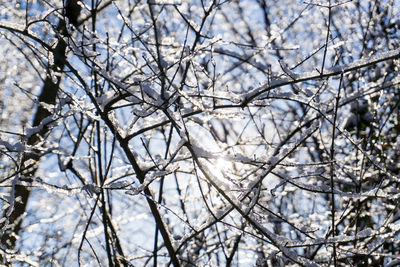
x=200 y=133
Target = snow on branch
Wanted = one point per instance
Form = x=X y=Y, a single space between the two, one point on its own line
x=337 y=70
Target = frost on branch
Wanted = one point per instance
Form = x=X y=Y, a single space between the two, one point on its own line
x=200 y=133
